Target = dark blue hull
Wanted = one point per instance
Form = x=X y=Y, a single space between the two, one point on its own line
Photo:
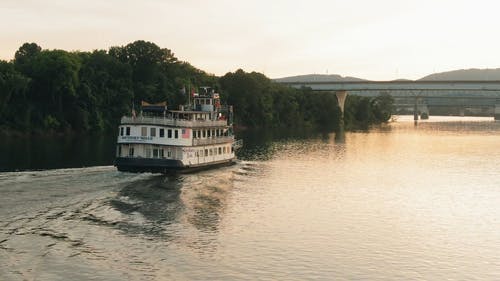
x=165 y=166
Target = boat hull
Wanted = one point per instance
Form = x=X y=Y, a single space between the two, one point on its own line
x=164 y=166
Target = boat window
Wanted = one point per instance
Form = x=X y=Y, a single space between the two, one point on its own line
x=208 y=133
x=224 y=150
x=121 y=131
x=176 y=133
x=206 y=152
x=194 y=134
x=155 y=153
x=162 y=133
x=153 y=132
x=220 y=150
x=169 y=154
x=169 y=133
x=204 y=133
x=131 y=151
x=144 y=131
x=213 y=133
x=128 y=131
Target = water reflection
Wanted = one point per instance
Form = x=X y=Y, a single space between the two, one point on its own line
x=339 y=137
x=205 y=195
x=52 y=152
x=154 y=200
x=396 y=203
x=264 y=144
x=175 y=207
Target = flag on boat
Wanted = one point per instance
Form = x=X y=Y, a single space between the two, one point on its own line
x=185 y=133
x=193 y=92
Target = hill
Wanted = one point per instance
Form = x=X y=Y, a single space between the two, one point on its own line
x=472 y=74
x=318 y=78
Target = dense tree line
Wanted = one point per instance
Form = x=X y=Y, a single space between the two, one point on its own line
x=260 y=102
x=55 y=90
x=60 y=91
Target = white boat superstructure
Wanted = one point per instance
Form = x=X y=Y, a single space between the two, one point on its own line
x=196 y=136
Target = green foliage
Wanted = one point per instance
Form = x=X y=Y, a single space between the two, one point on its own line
x=55 y=90
x=383 y=107
x=259 y=102
x=250 y=93
x=13 y=90
x=51 y=123
x=360 y=112
x=105 y=92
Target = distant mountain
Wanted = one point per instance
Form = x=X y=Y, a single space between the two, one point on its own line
x=472 y=74
x=401 y=80
x=318 y=78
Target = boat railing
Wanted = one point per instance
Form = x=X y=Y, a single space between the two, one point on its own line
x=147 y=120
x=213 y=140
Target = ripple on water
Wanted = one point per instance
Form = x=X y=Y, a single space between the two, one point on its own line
x=404 y=202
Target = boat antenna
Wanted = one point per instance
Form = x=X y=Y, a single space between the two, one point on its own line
x=133 y=109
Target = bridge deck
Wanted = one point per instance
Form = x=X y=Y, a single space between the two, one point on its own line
x=399 y=85
x=431 y=93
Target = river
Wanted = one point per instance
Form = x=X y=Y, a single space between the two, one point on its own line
x=398 y=202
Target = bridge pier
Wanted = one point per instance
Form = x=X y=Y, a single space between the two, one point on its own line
x=461 y=111
x=497 y=112
x=341 y=96
x=415 y=109
x=424 y=112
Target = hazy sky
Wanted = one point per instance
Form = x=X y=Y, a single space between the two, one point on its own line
x=378 y=39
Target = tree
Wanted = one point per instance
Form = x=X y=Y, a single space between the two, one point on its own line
x=13 y=102
x=148 y=62
x=105 y=91
x=383 y=106
x=57 y=90
x=24 y=57
x=55 y=75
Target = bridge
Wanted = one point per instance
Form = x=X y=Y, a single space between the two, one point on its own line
x=479 y=97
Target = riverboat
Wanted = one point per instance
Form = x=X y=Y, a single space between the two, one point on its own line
x=194 y=137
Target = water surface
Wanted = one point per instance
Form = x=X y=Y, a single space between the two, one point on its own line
x=400 y=202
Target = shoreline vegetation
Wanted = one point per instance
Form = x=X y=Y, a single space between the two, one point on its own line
x=56 y=92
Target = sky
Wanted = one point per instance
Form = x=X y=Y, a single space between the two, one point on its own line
x=376 y=40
